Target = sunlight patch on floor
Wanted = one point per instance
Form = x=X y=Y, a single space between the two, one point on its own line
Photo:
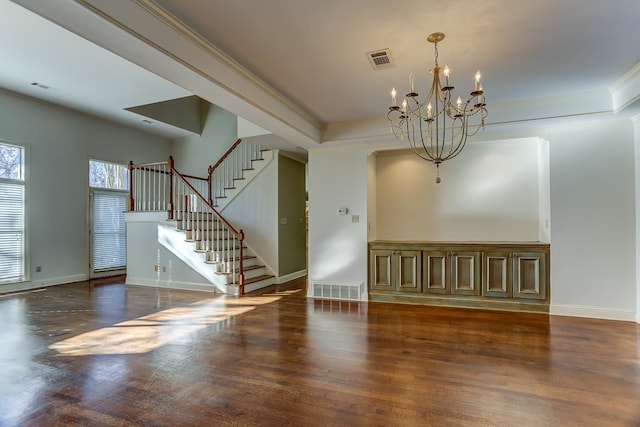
x=147 y=333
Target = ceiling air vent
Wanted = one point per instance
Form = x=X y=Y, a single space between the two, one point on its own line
x=380 y=59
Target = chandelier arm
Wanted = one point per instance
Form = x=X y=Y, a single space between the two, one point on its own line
x=461 y=142
x=437 y=129
x=417 y=153
x=428 y=155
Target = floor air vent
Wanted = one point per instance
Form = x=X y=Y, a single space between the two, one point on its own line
x=344 y=291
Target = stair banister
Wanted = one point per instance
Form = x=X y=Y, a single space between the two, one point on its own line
x=149 y=191
x=237 y=234
x=217 y=164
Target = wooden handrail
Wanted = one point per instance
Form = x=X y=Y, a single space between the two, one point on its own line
x=235 y=232
x=213 y=167
x=145 y=165
x=194 y=177
x=224 y=156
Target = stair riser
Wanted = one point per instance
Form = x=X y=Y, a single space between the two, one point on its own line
x=247 y=262
x=231 y=279
x=208 y=235
x=252 y=273
x=199 y=227
x=203 y=245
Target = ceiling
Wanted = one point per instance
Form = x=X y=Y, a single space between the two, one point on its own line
x=73 y=72
x=313 y=54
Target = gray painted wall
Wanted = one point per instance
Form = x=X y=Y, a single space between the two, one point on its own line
x=291 y=213
x=59 y=144
x=194 y=154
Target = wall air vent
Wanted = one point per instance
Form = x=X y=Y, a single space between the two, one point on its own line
x=341 y=291
x=380 y=59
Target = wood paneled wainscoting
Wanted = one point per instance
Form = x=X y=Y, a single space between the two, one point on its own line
x=491 y=275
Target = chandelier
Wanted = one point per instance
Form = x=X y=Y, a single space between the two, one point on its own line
x=437 y=128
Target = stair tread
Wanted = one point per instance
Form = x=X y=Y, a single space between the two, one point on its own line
x=204 y=251
x=251 y=267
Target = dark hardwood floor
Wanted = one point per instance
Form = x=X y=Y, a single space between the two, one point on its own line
x=105 y=354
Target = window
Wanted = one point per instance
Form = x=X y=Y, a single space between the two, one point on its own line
x=108 y=175
x=12 y=198
x=108 y=183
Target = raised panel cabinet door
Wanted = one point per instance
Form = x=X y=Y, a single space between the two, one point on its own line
x=530 y=276
x=380 y=270
x=497 y=275
x=409 y=270
x=436 y=272
x=465 y=273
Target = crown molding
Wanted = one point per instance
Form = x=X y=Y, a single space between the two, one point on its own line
x=531 y=117
x=626 y=90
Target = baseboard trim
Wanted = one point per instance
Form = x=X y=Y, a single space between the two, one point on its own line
x=291 y=276
x=592 y=312
x=37 y=284
x=182 y=286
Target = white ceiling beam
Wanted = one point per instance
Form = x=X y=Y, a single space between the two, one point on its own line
x=141 y=32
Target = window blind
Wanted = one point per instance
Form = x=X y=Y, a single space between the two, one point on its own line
x=11 y=232
x=109 y=231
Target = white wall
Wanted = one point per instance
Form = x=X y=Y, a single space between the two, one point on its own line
x=255 y=211
x=59 y=143
x=372 y=189
x=490 y=192
x=593 y=220
x=144 y=252
x=544 y=195
x=637 y=199
x=593 y=234
x=194 y=154
x=337 y=246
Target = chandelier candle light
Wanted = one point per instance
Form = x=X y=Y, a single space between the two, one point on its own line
x=437 y=128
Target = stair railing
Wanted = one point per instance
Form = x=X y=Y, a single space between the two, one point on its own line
x=159 y=186
x=230 y=168
x=150 y=187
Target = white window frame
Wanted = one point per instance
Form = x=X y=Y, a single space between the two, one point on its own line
x=24 y=276
x=93 y=273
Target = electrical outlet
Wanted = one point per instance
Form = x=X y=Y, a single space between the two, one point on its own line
x=164 y=268
x=156 y=267
x=38 y=268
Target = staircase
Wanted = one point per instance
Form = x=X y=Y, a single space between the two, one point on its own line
x=195 y=231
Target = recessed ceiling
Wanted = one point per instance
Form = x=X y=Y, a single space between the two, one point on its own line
x=314 y=53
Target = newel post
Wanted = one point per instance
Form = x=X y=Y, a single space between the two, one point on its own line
x=241 y=274
x=170 y=204
x=131 y=205
x=209 y=184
